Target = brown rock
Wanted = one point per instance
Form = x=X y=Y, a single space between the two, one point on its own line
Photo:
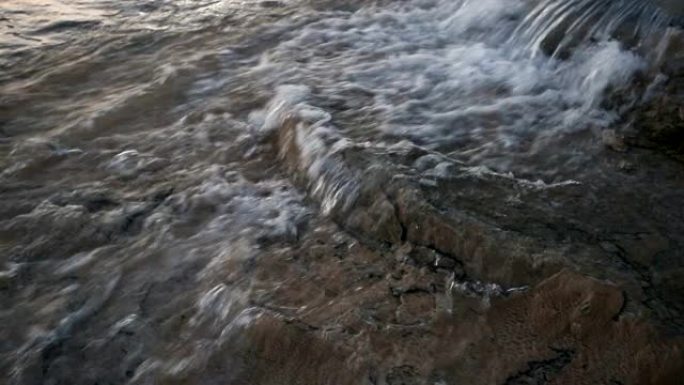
x=279 y=353
x=415 y=308
x=568 y=330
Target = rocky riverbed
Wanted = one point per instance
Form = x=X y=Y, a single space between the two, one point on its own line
x=336 y=193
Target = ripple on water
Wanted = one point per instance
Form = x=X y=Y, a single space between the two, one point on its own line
x=163 y=185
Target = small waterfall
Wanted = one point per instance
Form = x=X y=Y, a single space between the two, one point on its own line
x=554 y=26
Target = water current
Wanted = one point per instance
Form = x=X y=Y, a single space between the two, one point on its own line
x=165 y=165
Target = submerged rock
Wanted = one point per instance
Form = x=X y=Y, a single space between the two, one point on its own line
x=418 y=203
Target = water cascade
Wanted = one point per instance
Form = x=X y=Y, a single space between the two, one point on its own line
x=416 y=192
x=555 y=25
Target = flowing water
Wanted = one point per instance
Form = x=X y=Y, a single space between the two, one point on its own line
x=141 y=184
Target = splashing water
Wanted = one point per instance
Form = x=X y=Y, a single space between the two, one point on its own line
x=175 y=172
x=445 y=75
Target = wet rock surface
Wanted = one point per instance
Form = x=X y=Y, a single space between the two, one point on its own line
x=188 y=216
x=468 y=279
x=480 y=225
x=475 y=277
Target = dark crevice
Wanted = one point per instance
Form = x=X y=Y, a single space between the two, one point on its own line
x=622 y=308
x=396 y=292
x=541 y=372
x=402 y=225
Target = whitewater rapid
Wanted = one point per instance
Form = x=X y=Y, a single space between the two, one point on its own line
x=166 y=166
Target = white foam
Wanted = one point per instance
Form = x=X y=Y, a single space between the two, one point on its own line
x=602 y=66
x=445 y=73
x=268 y=209
x=318 y=145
